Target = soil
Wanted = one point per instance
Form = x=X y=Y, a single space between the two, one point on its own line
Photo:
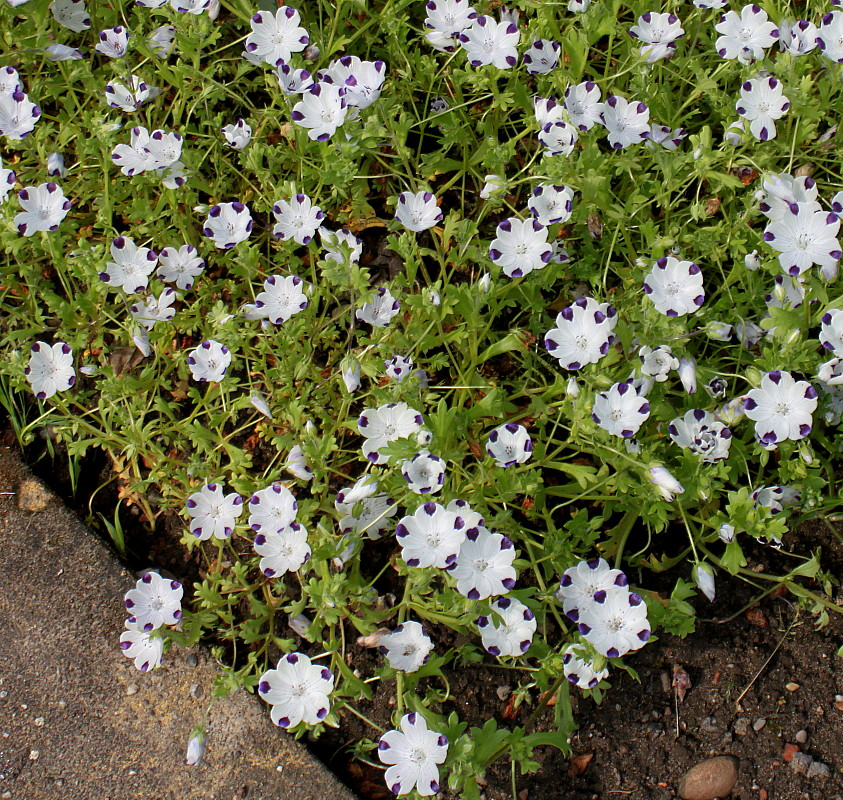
x=768 y=662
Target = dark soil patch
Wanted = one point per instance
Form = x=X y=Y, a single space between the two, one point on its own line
x=640 y=740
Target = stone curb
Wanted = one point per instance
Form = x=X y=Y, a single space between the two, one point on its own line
x=77 y=720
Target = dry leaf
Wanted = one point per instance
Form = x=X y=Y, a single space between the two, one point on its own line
x=681 y=682
x=578 y=764
x=372 y=639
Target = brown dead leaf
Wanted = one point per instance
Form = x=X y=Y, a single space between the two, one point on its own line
x=755 y=616
x=180 y=391
x=579 y=764
x=595 y=226
x=712 y=206
x=124 y=358
x=372 y=639
x=681 y=682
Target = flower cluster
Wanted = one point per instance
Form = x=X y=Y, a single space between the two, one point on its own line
x=281 y=541
x=152 y=604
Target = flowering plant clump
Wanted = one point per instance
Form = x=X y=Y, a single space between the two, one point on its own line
x=436 y=328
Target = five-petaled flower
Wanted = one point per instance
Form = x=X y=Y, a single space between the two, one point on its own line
x=781 y=408
x=228 y=224
x=417 y=212
x=412 y=754
x=580 y=583
x=510 y=444
x=180 y=265
x=675 y=287
x=155 y=601
x=44 y=207
x=131 y=267
x=209 y=361
x=297 y=689
x=484 y=565
x=579 y=668
x=615 y=622
x=281 y=298
x=583 y=333
x=519 y=247
x=212 y=513
x=406 y=647
x=542 y=56
x=275 y=37
x=762 y=102
x=489 y=42
x=626 y=122
x=386 y=424
x=702 y=434
x=509 y=629
x=380 y=310
x=238 y=134
x=805 y=236
x=145 y=648
x=50 y=369
x=659 y=33
x=431 y=537
x=322 y=109
x=424 y=473
x=620 y=410
x=283 y=550
x=297 y=219
x=745 y=36
x=273 y=509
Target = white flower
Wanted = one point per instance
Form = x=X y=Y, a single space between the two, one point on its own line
x=209 y=361
x=558 y=138
x=667 y=486
x=745 y=37
x=583 y=104
x=44 y=207
x=275 y=37
x=509 y=445
x=297 y=690
x=361 y=80
x=113 y=42
x=50 y=369
x=734 y=132
x=484 y=565
x=804 y=237
x=134 y=158
x=431 y=537
x=615 y=623
x=578 y=6
x=762 y=101
x=542 y=57
x=752 y=261
x=831 y=331
x=10 y=80
x=489 y=42
x=180 y=265
x=550 y=204
x=148 y=312
x=417 y=212
x=775 y=497
x=72 y=14
x=238 y=134
x=399 y=367
x=351 y=374
x=297 y=464
x=830 y=38
x=788 y=292
x=627 y=123
x=581 y=582
x=726 y=533
x=831 y=372
x=406 y=647
x=703 y=576
x=281 y=298
x=493 y=184
x=164 y=149
x=131 y=267
x=293 y=81
x=657 y=362
x=424 y=473
x=322 y=110
x=621 y=410
x=365 y=511
x=413 y=753
x=675 y=287
x=386 y=424
x=579 y=668
x=509 y=629
x=162 y=40
x=126 y=98
x=195 y=747
x=7 y=181
x=61 y=52
x=228 y=224
x=297 y=219
x=583 y=333
x=146 y=650
x=688 y=374
x=155 y=601
x=520 y=247
x=335 y=242
x=273 y=509
x=663 y=135
x=380 y=310
x=283 y=550
x=781 y=408
x=17 y=115
x=699 y=432
x=798 y=38
x=55 y=165
x=659 y=33
x=781 y=191
x=213 y=514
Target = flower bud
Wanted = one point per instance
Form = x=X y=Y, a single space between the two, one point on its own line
x=433 y=297
x=572 y=389
x=717 y=387
x=195 y=746
x=259 y=402
x=633 y=446
x=494 y=184
x=795 y=336
x=806 y=454
x=830 y=271
x=485 y=283
x=141 y=339
x=213 y=10
x=351 y=373
x=299 y=624
x=719 y=331
x=688 y=374
x=726 y=532
x=753 y=377
x=752 y=261
x=666 y=484
x=704 y=578
x=55 y=165
x=698 y=153
x=730 y=413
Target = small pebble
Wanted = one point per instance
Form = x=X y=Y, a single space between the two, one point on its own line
x=4 y=694
x=196 y=691
x=789 y=751
x=6 y=796
x=819 y=770
x=191 y=660
x=709 y=725
x=791 y=687
x=33 y=755
x=802 y=736
x=131 y=689
x=759 y=724
x=503 y=692
x=714 y=777
x=39 y=722
x=62 y=704
x=801 y=763
x=741 y=726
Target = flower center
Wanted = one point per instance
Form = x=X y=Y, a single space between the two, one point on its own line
x=481 y=564
x=418 y=756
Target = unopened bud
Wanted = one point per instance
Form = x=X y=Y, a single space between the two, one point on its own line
x=351 y=373
x=195 y=746
x=572 y=389
x=719 y=331
x=664 y=481
x=726 y=533
x=752 y=261
x=704 y=578
x=688 y=374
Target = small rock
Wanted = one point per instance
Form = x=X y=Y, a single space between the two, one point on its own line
x=191 y=660
x=709 y=725
x=196 y=691
x=801 y=763
x=33 y=755
x=714 y=777
x=39 y=722
x=131 y=689
x=789 y=751
x=819 y=770
x=741 y=726
x=791 y=687
x=6 y=796
x=801 y=736
x=32 y=496
x=759 y=724
x=503 y=692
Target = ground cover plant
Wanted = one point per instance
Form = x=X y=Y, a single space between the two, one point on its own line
x=444 y=321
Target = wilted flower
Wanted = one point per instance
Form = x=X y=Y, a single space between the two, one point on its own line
x=297 y=690
x=364 y=511
x=657 y=362
x=703 y=576
x=702 y=434
x=195 y=747
x=667 y=486
x=413 y=753
x=155 y=309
